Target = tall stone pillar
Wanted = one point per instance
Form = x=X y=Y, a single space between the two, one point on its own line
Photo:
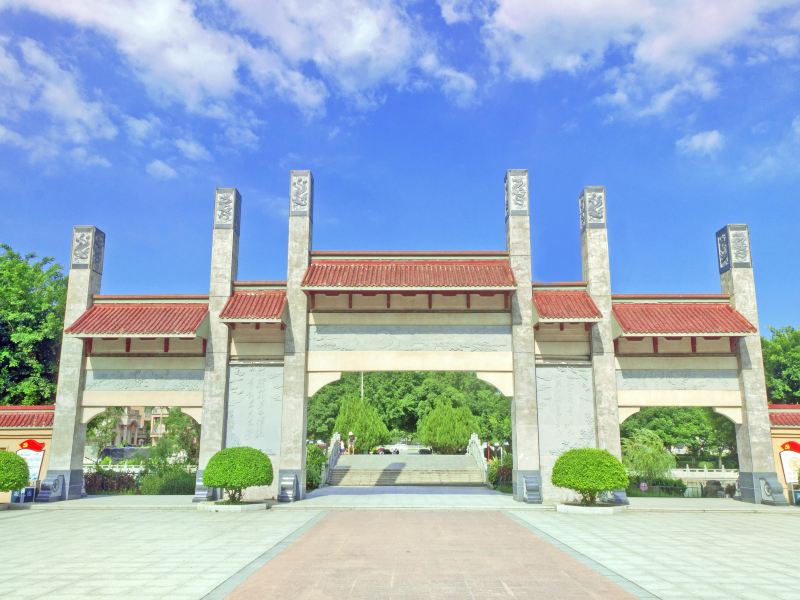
x=224 y=265
x=524 y=417
x=292 y=473
x=65 y=471
x=597 y=274
x=758 y=480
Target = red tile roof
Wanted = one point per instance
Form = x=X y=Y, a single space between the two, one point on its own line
x=565 y=305
x=26 y=416
x=791 y=418
x=254 y=305
x=668 y=318
x=409 y=274
x=140 y=319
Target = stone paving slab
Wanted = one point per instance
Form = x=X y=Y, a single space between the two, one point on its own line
x=679 y=555
x=149 y=554
x=424 y=554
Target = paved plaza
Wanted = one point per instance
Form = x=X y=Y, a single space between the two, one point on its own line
x=386 y=546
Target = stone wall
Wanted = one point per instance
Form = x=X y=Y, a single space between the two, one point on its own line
x=463 y=338
x=566 y=418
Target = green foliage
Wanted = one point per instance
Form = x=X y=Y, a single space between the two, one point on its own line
x=109 y=482
x=500 y=471
x=32 y=294
x=782 y=365
x=589 y=471
x=363 y=420
x=101 y=430
x=236 y=469
x=644 y=455
x=659 y=487
x=701 y=430
x=13 y=471
x=315 y=458
x=181 y=438
x=176 y=481
x=447 y=429
x=403 y=398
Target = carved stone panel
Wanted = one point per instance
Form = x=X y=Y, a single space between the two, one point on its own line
x=517 y=193
x=87 y=248
x=226 y=209
x=740 y=248
x=300 y=193
x=733 y=247
x=723 y=251
x=592 y=207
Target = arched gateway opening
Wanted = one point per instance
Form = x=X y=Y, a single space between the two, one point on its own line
x=574 y=359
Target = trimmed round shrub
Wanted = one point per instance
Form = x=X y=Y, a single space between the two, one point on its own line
x=589 y=471
x=236 y=469
x=13 y=472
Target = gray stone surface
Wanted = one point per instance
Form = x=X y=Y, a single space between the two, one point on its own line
x=597 y=274
x=167 y=380
x=224 y=266
x=463 y=338
x=753 y=438
x=678 y=379
x=293 y=418
x=69 y=434
x=564 y=394
x=255 y=395
x=524 y=421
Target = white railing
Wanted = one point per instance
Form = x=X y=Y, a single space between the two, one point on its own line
x=334 y=451
x=123 y=467
x=476 y=451
x=709 y=474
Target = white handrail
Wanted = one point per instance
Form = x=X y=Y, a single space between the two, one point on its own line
x=334 y=451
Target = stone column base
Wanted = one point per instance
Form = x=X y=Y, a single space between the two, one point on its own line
x=761 y=488
x=527 y=486
x=201 y=492
x=289 y=489
x=61 y=485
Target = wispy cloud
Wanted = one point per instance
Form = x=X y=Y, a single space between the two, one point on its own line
x=703 y=143
x=160 y=170
x=192 y=149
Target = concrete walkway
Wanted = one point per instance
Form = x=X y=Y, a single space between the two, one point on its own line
x=421 y=554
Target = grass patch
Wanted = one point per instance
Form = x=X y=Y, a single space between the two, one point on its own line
x=504 y=488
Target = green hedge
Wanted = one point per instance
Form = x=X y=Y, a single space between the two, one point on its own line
x=589 y=471
x=175 y=482
x=236 y=469
x=13 y=472
x=315 y=458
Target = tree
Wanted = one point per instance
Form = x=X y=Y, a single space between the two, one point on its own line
x=32 y=295
x=700 y=430
x=447 y=429
x=589 y=471
x=644 y=455
x=360 y=417
x=101 y=431
x=13 y=471
x=181 y=434
x=782 y=365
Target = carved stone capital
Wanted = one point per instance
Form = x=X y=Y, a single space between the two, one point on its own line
x=517 y=194
x=592 y=207
x=301 y=193
x=733 y=248
x=88 y=247
x=227 y=209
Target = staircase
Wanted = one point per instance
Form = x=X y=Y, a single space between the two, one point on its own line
x=406 y=469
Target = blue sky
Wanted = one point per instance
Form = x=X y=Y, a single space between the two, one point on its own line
x=128 y=114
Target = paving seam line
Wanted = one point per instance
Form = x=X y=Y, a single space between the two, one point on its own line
x=613 y=576
x=222 y=590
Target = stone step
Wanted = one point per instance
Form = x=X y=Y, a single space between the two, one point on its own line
x=364 y=477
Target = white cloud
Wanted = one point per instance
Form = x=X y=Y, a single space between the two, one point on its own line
x=665 y=48
x=704 y=143
x=462 y=11
x=160 y=170
x=87 y=159
x=796 y=127
x=457 y=85
x=141 y=130
x=192 y=149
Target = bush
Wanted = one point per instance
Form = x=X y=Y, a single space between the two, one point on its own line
x=645 y=456
x=659 y=486
x=109 y=482
x=447 y=429
x=235 y=469
x=13 y=472
x=315 y=458
x=173 y=482
x=589 y=471
x=500 y=472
